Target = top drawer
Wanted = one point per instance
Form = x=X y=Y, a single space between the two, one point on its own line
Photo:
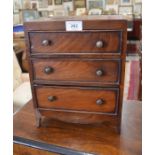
x=76 y=42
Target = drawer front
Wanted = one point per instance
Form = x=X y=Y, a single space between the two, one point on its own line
x=77 y=70
x=81 y=42
x=78 y=99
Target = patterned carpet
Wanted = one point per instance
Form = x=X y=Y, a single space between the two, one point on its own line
x=132 y=80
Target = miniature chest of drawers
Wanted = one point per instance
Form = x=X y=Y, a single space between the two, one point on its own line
x=77 y=76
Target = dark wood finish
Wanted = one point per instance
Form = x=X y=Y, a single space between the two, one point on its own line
x=132 y=48
x=24 y=150
x=75 y=42
x=78 y=98
x=134 y=37
x=78 y=70
x=98 y=139
x=67 y=59
x=41 y=147
x=81 y=117
x=136 y=33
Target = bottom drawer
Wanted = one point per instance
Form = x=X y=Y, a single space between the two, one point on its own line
x=85 y=99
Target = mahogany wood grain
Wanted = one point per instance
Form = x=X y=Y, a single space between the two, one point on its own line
x=24 y=150
x=78 y=98
x=80 y=117
x=97 y=139
x=78 y=70
x=76 y=42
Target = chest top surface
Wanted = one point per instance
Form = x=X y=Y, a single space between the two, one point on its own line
x=88 y=22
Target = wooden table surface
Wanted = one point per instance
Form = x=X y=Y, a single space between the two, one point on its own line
x=64 y=138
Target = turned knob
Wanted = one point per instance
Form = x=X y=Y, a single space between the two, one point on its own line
x=99 y=102
x=48 y=70
x=45 y=42
x=99 y=72
x=99 y=44
x=51 y=98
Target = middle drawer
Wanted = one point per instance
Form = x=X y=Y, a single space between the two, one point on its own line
x=98 y=71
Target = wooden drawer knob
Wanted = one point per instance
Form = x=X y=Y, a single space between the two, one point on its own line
x=51 y=98
x=99 y=72
x=99 y=44
x=48 y=70
x=99 y=102
x=45 y=42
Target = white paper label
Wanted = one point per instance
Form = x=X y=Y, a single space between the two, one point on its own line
x=74 y=26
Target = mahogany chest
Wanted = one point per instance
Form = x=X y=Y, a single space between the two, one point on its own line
x=77 y=75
